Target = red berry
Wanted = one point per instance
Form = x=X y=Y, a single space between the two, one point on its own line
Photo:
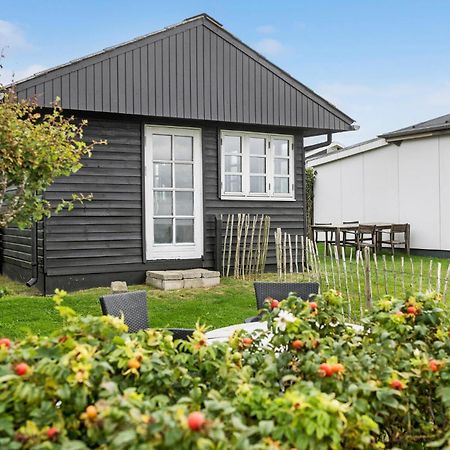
x=397 y=384
x=52 y=433
x=297 y=344
x=274 y=304
x=5 y=342
x=22 y=369
x=246 y=342
x=325 y=370
x=313 y=305
x=411 y=310
x=337 y=368
x=434 y=365
x=195 y=421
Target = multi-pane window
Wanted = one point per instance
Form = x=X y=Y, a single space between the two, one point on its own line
x=173 y=189
x=257 y=165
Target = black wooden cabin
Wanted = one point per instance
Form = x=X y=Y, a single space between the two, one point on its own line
x=198 y=124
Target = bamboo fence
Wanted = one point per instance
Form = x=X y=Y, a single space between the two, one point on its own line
x=245 y=245
x=361 y=276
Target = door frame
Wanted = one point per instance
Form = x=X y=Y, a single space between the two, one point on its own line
x=154 y=252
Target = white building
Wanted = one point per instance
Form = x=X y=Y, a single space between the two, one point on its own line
x=399 y=177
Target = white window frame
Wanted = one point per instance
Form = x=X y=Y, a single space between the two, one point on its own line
x=269 y=195
x=193 y=250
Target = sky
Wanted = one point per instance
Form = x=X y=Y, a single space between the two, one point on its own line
x=385 y=63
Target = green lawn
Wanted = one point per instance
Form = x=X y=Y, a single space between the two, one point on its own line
x=24 y=310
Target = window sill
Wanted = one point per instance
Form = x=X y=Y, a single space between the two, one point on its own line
x=256 y=198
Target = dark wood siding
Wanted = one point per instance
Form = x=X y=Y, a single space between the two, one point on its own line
x=102 y=240
x=16 y=254
x=106 y=231
x=287 y=215
x=196 y=70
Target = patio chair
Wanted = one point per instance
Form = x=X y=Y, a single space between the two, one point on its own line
x=280 y=291
x=133 y=307
x=328 y=240
x=366 y=236
x=351 y=233
x=393 y=240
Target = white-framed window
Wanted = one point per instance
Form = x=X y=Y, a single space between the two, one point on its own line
x=256 y=166
x=173 y=193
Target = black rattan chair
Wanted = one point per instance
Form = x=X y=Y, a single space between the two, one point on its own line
x=133 y=307
x=280 y=291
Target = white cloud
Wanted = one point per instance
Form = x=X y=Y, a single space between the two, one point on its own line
x=382 y=108
x=11 y=37
x=7 y=75
x=265 y=29
x=270 y=47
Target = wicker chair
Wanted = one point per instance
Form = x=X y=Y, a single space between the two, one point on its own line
x=280 y=291
x=133 y=307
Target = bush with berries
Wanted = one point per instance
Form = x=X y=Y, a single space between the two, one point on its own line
x=311 y=381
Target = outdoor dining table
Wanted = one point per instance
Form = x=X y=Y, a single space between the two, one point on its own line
x=222 y=334
x=338 y=228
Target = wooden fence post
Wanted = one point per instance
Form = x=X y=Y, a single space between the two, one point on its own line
x=367 y=278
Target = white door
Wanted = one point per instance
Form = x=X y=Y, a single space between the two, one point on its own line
x=173 y=193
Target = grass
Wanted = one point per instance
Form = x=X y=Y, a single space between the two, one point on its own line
x=24 y=310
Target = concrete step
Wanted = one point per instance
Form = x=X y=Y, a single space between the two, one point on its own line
x=182 y=279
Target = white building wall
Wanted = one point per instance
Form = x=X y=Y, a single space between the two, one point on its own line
x=406 y=183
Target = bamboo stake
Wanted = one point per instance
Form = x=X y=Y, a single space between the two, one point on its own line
x=375 y=260
x=285 y=256
x=385 y=271
x=318 y=262
x=358 y=259
x=352 y=282
x=332 y=265
x=266 y=242
x=230 y=247
x=447 y=276
x=368 y=280
x=225 y=245
x=250 y=255
x=327 y=281
x=421 y=276
x=291 y=266
x=245 y=226
x=438 y=281
x=430 y=270
x=403 y=274
x=258 y=252
x=238 y=246
x=394 y=272
x=296 y=253
x=412 y=283
x=344 y=265
x=275 y=236
x=338 y=265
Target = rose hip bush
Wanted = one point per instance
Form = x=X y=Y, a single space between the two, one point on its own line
x=312 y=381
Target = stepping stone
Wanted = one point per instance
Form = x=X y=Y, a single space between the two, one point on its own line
x=179 y=279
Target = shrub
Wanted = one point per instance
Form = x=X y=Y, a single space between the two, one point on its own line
x=92 y=385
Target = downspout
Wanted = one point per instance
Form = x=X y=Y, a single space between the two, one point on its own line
x=34 y=256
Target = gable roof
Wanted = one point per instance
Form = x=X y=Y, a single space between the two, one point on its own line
x=437 y=124
x=195 y=69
